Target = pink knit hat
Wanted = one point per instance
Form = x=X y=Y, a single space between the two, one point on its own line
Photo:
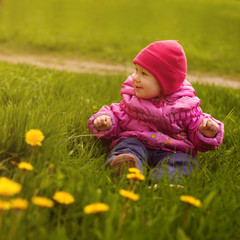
x=167 y=61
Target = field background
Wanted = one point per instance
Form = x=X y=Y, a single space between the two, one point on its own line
x=59 y=104
x=116 y=31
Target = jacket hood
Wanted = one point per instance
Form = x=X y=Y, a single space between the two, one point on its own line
x=182 y=100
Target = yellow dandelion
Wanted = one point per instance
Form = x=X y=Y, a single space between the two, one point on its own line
x=63 y=197
x=134 y=170
x=42 y=202
x=129 y=194
x=51 y=165
x=34 y=137
x=136 y=176
x=191 y=200
x=25 y=166
x=19 y=203
x=4 y=205
x=96 y=208
x=8 y=187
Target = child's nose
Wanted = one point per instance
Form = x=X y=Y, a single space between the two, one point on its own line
x=136 y=77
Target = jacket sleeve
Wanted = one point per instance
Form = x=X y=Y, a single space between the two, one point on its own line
x=201 y=142
x=108 y=134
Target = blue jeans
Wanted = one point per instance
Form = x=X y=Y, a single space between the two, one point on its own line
x=162 y=162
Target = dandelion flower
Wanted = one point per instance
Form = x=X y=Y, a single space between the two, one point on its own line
x=25 y=166
x=136 y=176
x=42 y=202
x=34 y=137
x=51 y=165
x=8 y=187
x=4 y=205
x=134 y=170
x=191 y=200
x=96 y=208
x=63 y=197
x=129 y=194
x=19 y=203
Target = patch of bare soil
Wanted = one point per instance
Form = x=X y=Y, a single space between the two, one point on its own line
x=79 y=66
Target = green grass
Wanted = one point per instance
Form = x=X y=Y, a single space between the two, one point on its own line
x=115 y=31
x=59 y=104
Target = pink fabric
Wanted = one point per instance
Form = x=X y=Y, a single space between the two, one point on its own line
x=170 y=125
x=167 y=61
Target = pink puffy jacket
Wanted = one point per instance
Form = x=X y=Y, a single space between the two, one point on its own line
x=170 y=125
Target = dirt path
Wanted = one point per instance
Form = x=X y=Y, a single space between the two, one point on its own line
x=73 y=65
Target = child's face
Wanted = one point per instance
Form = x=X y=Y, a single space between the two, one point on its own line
x=145 y=84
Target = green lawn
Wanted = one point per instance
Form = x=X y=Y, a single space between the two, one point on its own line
x=115 y=31
x=59 y=104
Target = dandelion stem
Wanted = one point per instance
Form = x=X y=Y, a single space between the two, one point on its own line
x=96 y=222
x=1 y=213
x=22 y=178
x=31 y=157
x=59 y=217
x=185 y=215
x=122 y=217
x=37 y=190
x=96 y=227
x=132 y=186
x=13 y=230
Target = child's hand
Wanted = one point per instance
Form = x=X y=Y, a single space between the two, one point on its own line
x=103 y=123
x=208 y=128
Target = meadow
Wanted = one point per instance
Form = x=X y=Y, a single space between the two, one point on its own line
x=59 y=104
x=114 y=32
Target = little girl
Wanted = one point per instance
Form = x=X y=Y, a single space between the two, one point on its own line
x=158 y=122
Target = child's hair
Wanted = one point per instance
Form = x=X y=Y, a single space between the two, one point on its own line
x=167 y=61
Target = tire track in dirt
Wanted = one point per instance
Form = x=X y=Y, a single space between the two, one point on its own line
x=81 y=66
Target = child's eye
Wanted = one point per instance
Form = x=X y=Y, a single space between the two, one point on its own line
x=143 y=73
x=136 y=70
